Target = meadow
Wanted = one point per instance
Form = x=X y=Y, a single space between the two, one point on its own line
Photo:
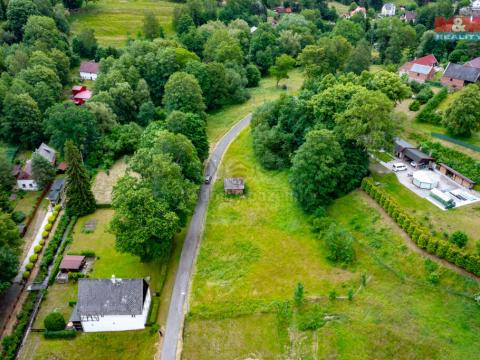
x=114 y=21
x=257 y=248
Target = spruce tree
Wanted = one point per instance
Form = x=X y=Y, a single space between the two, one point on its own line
x=80 y=199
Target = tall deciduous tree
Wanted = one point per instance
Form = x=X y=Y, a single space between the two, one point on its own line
x=143 y=225
x=183 y=93
x=283 y=64
x=463 y=115
x=7 y=180
x=80 y=199
x=9 y=248
x=18 y=12
x=42 y=171
x=316 y=169
x=151 y=26
x=22 y=121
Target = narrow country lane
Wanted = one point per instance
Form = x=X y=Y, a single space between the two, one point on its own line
x=179 y=304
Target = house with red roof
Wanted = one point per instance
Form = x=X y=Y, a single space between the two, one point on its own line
x=420 y=69
x=358 y=10
x=283 y=10
x=89 y=70
x=80 y=94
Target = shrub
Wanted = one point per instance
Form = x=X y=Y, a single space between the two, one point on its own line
x=332 y=295
x=298 y=294
x=26 y=274
x=18 y=216
x=76 y=275
x=57 y=207
x=459 y=238
x=45 y=234
x=51 y=219
x=350 y=295
x=55 y=213
x=33 y=258
x=424 y=95
x=414 y=106
x=54 y=321
x=37 y=249
x=41 y=242
x=427 y=114
x=29 y=266
x=48 y=227
x=339 y=244
x=72 y=303
x=311 y=320
x=434 y=278
x=60 y=334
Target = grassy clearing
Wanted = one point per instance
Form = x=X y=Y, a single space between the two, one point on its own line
x=122 y=345
x=465 y=218
x=218 y=122
x=257 y=247
x=341 y=8
x=105 y=180
x=26 y=201
x=116 y=20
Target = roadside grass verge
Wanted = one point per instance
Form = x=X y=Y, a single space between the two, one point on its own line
x=114 y=21
x=256 y=249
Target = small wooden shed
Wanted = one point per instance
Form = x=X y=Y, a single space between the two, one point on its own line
x=234 y=186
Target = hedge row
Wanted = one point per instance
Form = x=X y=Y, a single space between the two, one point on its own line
x=11 y=342
x=51 y=249
x=428 y=114
x=457 y=160
x=419 y=233
x=60 y=334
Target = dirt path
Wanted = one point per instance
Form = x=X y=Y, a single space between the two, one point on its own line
x=411 y=245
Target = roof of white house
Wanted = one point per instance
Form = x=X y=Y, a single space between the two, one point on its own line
x=91 y=67
x=422 y=69
x=111 y=296
x=388 y=7
x=46 y=152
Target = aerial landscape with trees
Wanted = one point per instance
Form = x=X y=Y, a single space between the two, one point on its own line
x=122 y=122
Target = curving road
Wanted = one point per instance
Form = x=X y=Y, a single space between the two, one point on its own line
x=179 y=301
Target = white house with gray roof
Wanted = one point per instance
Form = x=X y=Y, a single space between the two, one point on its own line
x=388 y=9
x=111 y=305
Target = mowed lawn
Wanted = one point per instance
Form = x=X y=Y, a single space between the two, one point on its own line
x=116 y=20
x=220 y=121
x=465 y=218
x=257 y=247
x=118 y=345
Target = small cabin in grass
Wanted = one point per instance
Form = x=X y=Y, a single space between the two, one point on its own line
x=456 y=176
x=111 y=305
x=234 y=186
x=89 y=70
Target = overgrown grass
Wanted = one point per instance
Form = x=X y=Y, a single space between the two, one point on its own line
x=257 y=247
x=26 y=202
x=124 y=345
x=116 y=20
x=218 y=122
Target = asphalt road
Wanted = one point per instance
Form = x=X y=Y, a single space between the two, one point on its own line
x=179 y=302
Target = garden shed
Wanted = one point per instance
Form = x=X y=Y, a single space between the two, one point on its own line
x=234 y=186
x=456 y=176
x=72 y=263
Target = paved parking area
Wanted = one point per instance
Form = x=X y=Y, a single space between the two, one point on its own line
x=459 y=194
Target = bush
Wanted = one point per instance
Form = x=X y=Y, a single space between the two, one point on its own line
x=339 y=244
x=427 y=114
x=45 y=234
x=48 y=227
x=29 y=266
x=459 y=238
x=424 y=95
x=41 y=242
x=33 y=258
x=298 y=294
x=57 y=207
x=60 y=334
x=26 y=275
x=51 y=219
x=76 y=275
x=434 y=278
x=414 y=106
x=37 y=249
x=54 y=321
x=18 y=216
x=311 y=320
x=332 y=295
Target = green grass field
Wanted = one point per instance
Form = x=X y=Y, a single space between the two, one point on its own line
x=257 y=247
x=121 y=345
x=116 y=20
x=219 y=121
